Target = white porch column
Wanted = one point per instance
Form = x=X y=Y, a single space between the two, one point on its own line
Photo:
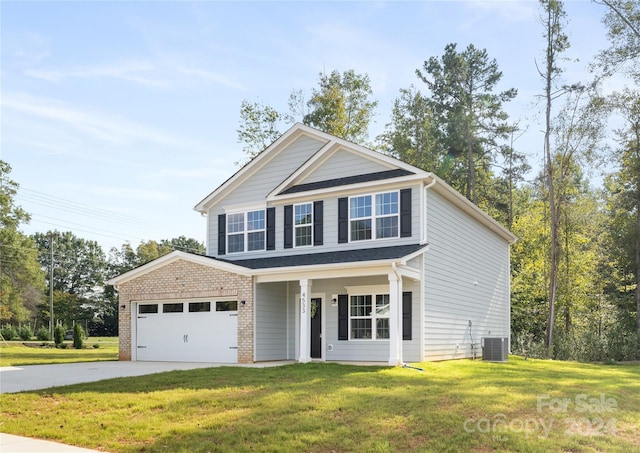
x=304 y=354
x=395 y=319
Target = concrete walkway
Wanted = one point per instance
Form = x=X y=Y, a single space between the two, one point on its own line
x=17 y=444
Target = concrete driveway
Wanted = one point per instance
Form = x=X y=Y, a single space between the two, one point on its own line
x=36 y=377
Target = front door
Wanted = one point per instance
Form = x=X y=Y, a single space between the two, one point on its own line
x=316 y=328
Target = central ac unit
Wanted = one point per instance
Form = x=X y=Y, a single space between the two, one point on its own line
x=495 y=349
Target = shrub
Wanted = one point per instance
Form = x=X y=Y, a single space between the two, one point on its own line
x=96 y=346
x=42 y=334
x=78 y=336
x=58 y=334
x=25 y=333
x=9 y=332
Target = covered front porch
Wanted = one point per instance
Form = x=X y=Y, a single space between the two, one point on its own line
x=365 y=311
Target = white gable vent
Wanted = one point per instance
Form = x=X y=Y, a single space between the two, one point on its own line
x=495 y=349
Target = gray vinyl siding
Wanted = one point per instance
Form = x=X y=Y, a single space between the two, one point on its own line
x=361 y=350
x=466 y=278
x=271 y=326
x=330 y=231
x=262 y=182
x=343 y=164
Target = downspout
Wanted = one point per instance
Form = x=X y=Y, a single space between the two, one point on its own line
x=423 y=239
x=423 y=266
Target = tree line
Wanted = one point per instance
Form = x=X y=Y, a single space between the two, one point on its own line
x=575 y=290
x=67 y=270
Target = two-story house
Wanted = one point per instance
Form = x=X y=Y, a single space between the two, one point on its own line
x=320 y=249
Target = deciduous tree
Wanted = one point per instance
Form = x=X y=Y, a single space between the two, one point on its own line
x=622 y=19
x=556 y=42
x=411 y=135
x=259 y=126
x=624 y=192
x=79 y=265
x=21 y=279
x=341 y=105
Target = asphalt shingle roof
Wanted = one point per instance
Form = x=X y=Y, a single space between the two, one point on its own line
x=342 y=256
x=377 y=176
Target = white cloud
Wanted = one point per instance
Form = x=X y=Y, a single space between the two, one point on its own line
x=161 y=72
x=133 y=71
x=103 y=127
x=209 y=76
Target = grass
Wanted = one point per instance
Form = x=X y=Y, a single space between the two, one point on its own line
x=533 y=405
x=14 y=353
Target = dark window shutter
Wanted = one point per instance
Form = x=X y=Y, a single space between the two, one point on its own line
x=406 y=315
x=405 y=213
x=343 y=220
x=222 y=234
x=318 y=218
x=288 y=226
x=343 y=317
x=271 y=228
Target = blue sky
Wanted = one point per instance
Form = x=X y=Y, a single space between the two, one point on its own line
x=118 y=117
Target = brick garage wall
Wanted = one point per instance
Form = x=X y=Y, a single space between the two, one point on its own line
x=185 y=280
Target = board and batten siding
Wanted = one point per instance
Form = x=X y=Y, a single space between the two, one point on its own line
x=271 y=321
x=261 y=183
x=344 y=164
x=466 y=279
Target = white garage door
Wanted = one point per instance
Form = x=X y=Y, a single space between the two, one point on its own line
x=187 y=331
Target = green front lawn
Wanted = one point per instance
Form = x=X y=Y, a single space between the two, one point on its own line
x=13 y=353
x=462 y=405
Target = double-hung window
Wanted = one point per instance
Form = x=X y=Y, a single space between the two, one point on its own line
x=303 y=224
x=374 y=216
x=246 y=231
x=368 y=321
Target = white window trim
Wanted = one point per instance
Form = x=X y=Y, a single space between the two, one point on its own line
x=245 y=232
x=295 y=227
x=372 y=291
x=373 y=216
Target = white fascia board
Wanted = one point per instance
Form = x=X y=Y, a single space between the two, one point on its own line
x=333 y=146
x=377 y=156
x=252 y=166
x=474 y=211
x=323 y=271
x=244 y=207
x=370 y=186
x=172 y=257
x=405 y=259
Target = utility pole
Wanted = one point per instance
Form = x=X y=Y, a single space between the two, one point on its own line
x=51 y=288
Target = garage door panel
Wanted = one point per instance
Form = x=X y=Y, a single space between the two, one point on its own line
x=206 y=336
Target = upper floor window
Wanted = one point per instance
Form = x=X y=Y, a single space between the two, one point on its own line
x=303 y=224
x=246 y=231
x=368 y=220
